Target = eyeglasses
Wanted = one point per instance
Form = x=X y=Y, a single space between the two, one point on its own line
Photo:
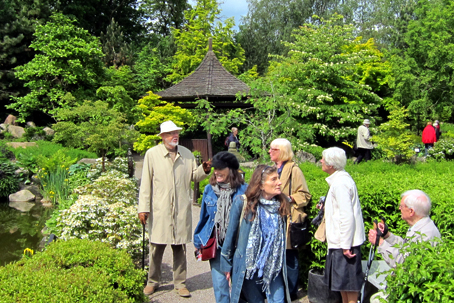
x=267 y=167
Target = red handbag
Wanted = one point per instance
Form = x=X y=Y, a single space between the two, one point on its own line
x=209 y=250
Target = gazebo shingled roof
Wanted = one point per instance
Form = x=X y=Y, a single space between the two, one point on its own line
x=209 y=81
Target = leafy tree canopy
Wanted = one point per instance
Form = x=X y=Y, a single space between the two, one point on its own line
x=192 y=41
x=68 y=62
x=154 y=112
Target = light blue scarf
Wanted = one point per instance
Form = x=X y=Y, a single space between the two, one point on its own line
x=265 y=248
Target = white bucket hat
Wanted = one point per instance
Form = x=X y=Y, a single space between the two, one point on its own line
x=366 y=121
x=168 y=126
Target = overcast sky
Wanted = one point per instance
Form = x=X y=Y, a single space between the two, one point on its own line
x=231 y=8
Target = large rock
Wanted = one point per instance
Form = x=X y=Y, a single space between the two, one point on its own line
x=30 y=124
x=16 y=131
x=34 y=189
x=3 y=127
x=21 y=205
x=303 y=156
x=11 y=120
x=22 y=195
x=49 y=131
x=87 y=161
x=21 y=144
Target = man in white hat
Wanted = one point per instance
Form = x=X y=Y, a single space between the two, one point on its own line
x=165 y=200
x=363 y=142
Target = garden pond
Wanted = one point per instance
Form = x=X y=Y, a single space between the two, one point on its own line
x=20 y=230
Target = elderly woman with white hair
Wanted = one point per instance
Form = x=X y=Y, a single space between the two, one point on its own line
x=344 y=227
x=295 y=187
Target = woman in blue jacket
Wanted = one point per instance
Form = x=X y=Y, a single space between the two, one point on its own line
x=253 y=254
x=226 y=184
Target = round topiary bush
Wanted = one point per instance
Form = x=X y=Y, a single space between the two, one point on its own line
x=73 y=271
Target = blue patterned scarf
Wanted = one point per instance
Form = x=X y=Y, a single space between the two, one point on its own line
x=265 y=248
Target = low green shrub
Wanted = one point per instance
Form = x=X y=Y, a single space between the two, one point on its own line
x=9 y=181
x=73 y=271
x=425 y=276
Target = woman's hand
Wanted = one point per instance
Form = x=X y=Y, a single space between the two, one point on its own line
x=348 y=253
x=227 y=276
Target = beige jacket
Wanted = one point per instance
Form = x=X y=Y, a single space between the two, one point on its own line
x=165 y=192
x=363 y=138
x=300 y=193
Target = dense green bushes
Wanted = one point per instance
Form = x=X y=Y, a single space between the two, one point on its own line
x=426 y=275
x=380 y=185
x=73 y=271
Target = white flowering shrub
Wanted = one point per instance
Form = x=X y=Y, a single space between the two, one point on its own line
x=443 y=150
x=119 y=164
x=95 y=218
x=113 y=186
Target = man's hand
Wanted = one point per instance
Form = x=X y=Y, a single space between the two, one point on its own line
x=143 y=217
x=348 y=253
x=373 y=237
x=207 y=167
x=383 y=227
x=227 y=276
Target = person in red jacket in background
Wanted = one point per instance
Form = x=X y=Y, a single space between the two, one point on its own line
x=429 y=137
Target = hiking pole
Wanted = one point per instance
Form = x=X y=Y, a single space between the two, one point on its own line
x=372 y=250
x=143 y=246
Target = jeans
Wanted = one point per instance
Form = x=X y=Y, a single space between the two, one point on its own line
x=292 y=271
x=220 y=283
x=254 y=294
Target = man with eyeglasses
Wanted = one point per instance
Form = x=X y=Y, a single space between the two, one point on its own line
x=165 y=200
x=415 y=210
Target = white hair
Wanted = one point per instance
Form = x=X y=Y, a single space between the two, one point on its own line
x=335 y=157
x=417 y=200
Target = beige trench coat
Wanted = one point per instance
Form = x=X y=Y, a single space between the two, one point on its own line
x=300 y=193
x=165 y=192
x=363 y=138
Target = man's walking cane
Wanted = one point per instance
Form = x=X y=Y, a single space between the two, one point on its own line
x=372 y=250
x=143 y=246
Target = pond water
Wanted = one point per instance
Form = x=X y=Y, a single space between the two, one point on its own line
x=20 y=230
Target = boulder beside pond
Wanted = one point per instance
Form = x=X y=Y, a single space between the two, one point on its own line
x=22 y=196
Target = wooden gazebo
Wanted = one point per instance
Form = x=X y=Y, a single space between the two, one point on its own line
x=210 y=81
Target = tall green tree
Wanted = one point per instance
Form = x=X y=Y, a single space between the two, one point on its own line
x=17 y=25
x=163 y=15
x=96 y=15
x=117 y=52
x=192 y=41
x=69 y=61
x=424 y=68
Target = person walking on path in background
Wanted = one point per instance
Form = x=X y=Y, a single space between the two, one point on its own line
x=233 y=137
x=295 y=187
x=253 y=254
x=344 y=228
x=437 y=130
x=363 y=142
x=429 y=137
x=164 y=199
x=415 y=210
x=226 y=184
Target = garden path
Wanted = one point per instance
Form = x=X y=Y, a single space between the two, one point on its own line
x=198 y=277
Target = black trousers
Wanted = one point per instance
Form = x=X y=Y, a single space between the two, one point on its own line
x=363 y=153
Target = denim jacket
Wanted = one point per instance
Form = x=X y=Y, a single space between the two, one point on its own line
x=205 y=226
x=233 y=254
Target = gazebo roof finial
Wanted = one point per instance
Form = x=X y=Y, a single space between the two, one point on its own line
x=210 y=44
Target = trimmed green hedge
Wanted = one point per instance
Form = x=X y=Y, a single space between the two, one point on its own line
x=380 y=185
x=73 y=271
